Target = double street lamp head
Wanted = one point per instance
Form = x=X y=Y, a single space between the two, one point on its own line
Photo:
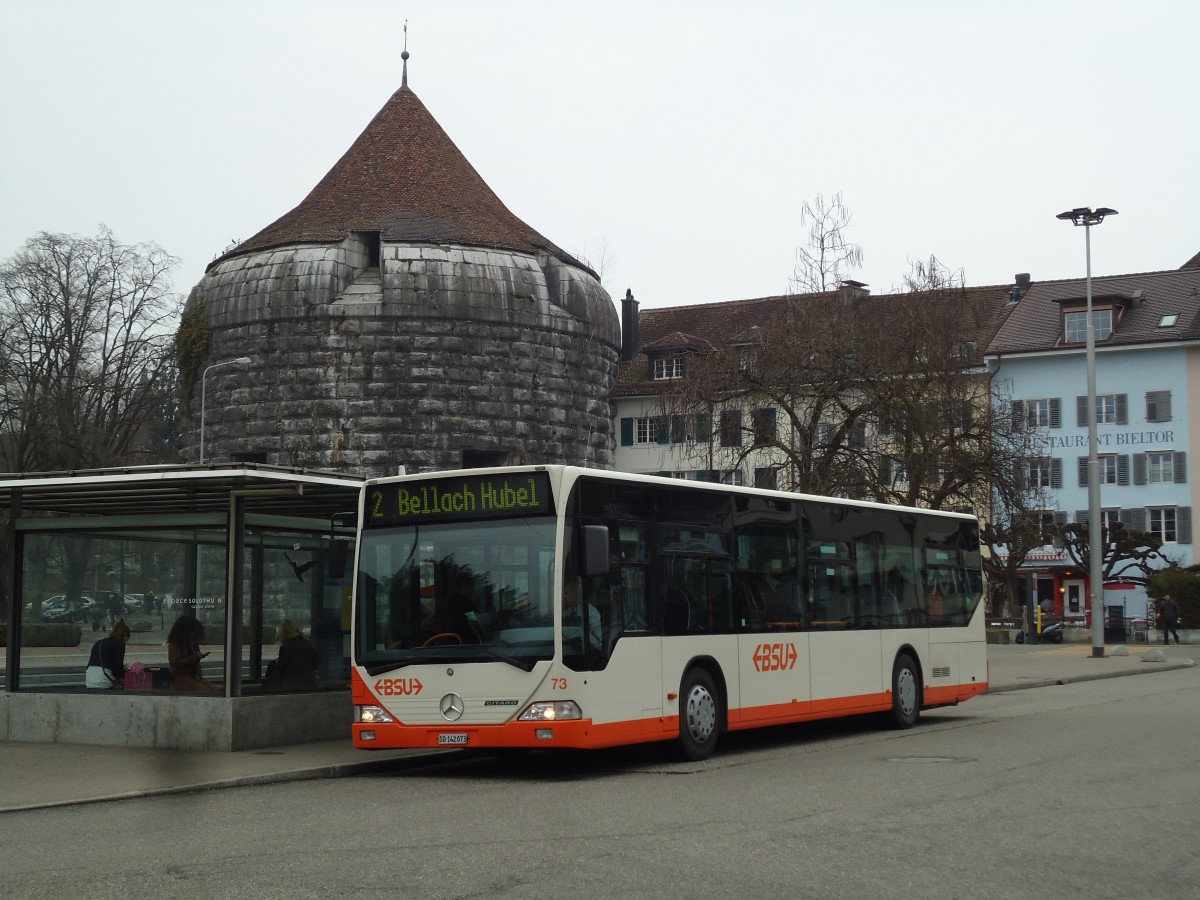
x=1085 y=216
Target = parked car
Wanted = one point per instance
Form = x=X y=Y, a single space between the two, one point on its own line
x=59 y=609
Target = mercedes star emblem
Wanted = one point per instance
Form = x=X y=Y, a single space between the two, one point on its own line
x=452 y=707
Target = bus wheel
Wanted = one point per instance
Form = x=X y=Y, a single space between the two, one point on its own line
x=698 y=715
x=906 y=692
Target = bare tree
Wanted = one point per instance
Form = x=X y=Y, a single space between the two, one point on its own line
x=85 y=351
x=827 y=259
x=1011 y=537
x=849 y=394
x=1128 y=554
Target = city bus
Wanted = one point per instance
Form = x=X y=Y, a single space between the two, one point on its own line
x=562 y=607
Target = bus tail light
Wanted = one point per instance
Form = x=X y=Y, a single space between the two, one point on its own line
x=551 y=711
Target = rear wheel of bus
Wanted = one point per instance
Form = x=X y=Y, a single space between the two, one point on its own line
x=699 y=715
x=906 y=692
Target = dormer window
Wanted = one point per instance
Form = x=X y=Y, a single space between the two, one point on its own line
x=667 y=367
x=1075 y=325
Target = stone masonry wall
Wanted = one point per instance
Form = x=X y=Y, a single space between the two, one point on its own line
x=447 y=349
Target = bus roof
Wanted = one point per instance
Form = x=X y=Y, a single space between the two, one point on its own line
x=559 y=473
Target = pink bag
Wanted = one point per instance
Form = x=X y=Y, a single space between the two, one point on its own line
x=138 y=678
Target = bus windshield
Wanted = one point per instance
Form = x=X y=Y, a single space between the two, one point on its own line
x=466 y=591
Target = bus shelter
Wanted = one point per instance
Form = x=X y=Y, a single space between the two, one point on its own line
x=246 y=553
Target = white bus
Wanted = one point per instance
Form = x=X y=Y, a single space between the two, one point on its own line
x=551 y=606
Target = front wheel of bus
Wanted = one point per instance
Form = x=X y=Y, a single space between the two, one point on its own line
x=699 y=715
x=906 y=692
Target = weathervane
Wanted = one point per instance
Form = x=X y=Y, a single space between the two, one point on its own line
x=404 y=56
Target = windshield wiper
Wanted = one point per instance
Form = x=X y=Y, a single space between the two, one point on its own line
x=526 y=664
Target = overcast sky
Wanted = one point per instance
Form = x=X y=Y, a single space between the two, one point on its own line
x=670 y=144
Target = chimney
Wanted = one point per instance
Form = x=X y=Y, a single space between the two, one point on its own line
x=1020 y=287
x=855 y=289
x=629 y=327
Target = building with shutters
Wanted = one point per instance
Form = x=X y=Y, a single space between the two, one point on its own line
x=1147 y=413
x=769 y=434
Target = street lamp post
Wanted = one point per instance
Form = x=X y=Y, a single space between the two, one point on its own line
x=240 y=361
x=1087 y=218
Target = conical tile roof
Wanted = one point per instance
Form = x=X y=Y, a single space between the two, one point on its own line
x=405 y=178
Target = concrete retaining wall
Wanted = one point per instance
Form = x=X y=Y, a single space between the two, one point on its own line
x=174 y=721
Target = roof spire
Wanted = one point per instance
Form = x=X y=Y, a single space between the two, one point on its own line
x=404 y=56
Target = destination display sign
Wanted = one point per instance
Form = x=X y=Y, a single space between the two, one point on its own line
x=458 y=499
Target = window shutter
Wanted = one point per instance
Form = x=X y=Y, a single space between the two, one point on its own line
x=1081 y=517
x=731 y=428
x=703 y=427
x=1056 y=473
x=1122 y=409
x=1183 y=524
x=1139 y=468
x=1018 y=416
x=858 y=435
x=1123 y=469
x=1083 y=471
x=1056 y=412
x=1179 y=466
x=663 y=430
x=1081 y=411
x=626 y=431
x=1158 y=406
x=966 y=414
x=1134 y=518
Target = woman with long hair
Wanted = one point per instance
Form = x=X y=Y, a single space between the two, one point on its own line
x=184 y=655
x=106 y=664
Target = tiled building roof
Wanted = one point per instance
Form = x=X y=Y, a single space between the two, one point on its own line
x=405 y=178
x=1036 y=322
x=715 y=325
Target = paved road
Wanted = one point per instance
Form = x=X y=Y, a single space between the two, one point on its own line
x=1088 y=789
x=33 y=775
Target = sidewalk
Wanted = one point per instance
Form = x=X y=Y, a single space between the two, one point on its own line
x=43 y=775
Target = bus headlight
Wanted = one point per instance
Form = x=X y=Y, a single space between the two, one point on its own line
x=372 y=715
x=553 y=711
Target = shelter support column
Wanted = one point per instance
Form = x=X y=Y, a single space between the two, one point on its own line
x=235 y=557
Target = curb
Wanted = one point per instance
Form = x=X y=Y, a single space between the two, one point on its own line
x=311 y=773
x=1091 y=676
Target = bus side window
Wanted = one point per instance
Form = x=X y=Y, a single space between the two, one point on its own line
x=633 y=598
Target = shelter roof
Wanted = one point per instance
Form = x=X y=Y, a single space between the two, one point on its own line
x=162 y=490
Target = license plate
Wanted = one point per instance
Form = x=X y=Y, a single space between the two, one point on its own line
x=456 y=739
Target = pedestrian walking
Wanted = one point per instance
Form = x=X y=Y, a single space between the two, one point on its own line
x=1168 y=611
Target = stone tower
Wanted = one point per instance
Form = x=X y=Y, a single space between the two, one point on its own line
x=401 y=315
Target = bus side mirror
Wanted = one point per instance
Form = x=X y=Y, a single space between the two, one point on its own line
x=595 y=550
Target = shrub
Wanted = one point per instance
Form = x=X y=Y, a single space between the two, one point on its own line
x=51 y=634
x=1184 y=587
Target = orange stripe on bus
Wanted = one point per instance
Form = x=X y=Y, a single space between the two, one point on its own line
x=585 y=734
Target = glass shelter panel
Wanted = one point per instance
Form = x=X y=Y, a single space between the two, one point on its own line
x=75 y=586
